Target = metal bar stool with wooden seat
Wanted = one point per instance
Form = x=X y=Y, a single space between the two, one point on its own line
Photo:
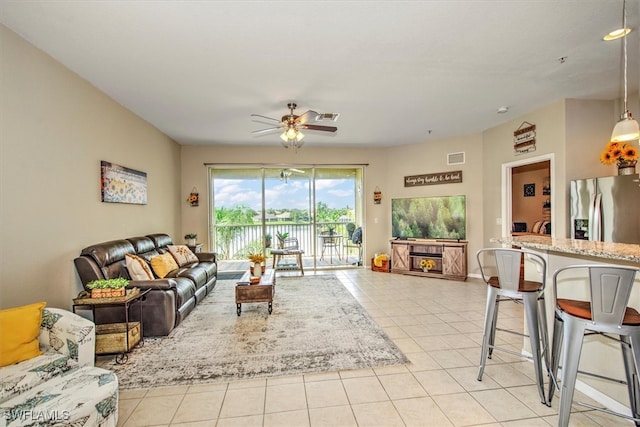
x=511 y=286
x=605 y=312
x=289 y=247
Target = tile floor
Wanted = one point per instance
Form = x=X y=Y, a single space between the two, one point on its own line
x=436 y=323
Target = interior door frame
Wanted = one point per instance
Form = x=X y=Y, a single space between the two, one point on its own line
x=507 y=187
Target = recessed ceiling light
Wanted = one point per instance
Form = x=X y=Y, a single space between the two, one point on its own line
x=617 y=34
x=502 y=110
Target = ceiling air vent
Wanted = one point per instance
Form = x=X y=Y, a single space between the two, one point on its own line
x=328 y=116
x=455 y=158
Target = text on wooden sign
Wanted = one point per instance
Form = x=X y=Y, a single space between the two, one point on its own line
x=433 y=178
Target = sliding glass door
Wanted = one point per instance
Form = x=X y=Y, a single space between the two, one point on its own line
x=252 y=207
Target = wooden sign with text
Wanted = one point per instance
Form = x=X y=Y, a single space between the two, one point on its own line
x=433 y=178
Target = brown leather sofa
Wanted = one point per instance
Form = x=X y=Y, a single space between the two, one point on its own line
x=171 y=298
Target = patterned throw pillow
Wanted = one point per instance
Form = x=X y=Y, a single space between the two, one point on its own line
x=182 y=254
x=163 y=264
x=138 y=268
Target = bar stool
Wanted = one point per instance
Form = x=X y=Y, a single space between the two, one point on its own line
x=605 y=312
x=511 y=285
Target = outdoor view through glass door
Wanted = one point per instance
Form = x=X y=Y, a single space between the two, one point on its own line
x=252 y=207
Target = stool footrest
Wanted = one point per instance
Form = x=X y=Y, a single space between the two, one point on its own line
x=607 y=411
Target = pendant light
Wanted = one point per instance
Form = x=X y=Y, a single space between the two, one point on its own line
x=627 y=128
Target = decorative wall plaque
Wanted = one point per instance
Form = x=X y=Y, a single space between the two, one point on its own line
x=524 y=138
x=433 y=178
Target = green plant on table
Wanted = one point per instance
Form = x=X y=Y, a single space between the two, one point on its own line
x=190 y=236
x=118 y=283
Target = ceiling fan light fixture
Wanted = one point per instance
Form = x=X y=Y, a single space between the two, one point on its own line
x=291 y=132
x=289 y=124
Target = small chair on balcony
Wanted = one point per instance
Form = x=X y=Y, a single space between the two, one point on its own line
x=289 y=248
x=355 y=241
x=330 y=242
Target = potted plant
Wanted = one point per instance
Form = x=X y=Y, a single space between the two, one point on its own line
x=191 y=238
x=281 y=237
x=108 y=288
x=624 y=155
x=257 y=260
x=267 y=240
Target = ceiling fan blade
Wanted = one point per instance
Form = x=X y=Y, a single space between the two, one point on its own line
x=307 y=116
x=261 y=131
x=269 y=119
x=319 y=127
x=296 y=170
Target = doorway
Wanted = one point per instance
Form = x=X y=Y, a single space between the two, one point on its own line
x=528 y=196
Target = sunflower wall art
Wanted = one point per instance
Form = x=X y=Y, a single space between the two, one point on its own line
x=119 y=184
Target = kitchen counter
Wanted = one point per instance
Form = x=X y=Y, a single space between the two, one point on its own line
x=610 y=251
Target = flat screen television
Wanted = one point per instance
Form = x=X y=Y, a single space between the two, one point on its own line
x=441 y=217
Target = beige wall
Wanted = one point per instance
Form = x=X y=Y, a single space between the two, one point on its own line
x=498 y=150
x=55 y=128
x=431 y=157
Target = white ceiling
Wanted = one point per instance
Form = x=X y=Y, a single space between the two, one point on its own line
x=399 y=72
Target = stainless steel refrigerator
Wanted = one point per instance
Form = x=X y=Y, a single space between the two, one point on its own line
x=606 y=209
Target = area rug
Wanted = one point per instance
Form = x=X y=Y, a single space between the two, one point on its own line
x=316 y=326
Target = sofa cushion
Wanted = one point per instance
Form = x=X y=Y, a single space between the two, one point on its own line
x=182 y=254
x=20 y=328
x=109 y=257
x=161 y=241
x=197 y=275
x=210 y=267
x=142 y=244
x=185 y=291
x=138 y=268
x=163 y=264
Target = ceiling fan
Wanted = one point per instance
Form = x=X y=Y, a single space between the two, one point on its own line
x=291 y=125
x=286 y=173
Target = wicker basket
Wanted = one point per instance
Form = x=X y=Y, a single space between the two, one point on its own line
x=383 y=269
x=107 y=293
x=112 y=337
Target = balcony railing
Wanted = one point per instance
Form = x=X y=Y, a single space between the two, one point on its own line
x=236 y=241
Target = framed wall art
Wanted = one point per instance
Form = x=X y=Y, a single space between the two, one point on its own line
x=119 y=184
x=529 y=190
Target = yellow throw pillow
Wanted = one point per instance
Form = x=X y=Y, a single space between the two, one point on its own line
x=19 y=330
x=138 y=268
x=378 y=260
x=163 y=264
x=182 y=254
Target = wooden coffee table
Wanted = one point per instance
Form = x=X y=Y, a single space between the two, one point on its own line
x=259 y=292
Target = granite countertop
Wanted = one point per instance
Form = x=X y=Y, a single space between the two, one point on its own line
x=616 y=251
